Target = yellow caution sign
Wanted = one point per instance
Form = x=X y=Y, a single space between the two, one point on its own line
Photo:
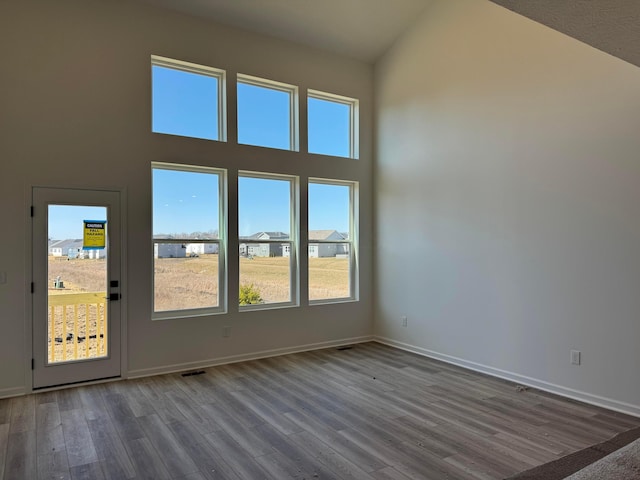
x=94 y=234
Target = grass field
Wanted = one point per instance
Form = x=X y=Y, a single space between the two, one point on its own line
x=77 y=326
x=193 y=282
x=78 y=275
x=182 y=283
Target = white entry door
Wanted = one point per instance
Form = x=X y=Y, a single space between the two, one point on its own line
x=76 y=286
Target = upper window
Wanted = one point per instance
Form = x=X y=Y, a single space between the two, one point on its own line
x=188 y=240
x=267 y=257
x=187 y=99
x=332 y=247
x=267 y=113
x=332 y=124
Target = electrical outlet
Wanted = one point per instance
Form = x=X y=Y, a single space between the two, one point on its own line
x=403 y=321
x=226 y=331
x=575 y=357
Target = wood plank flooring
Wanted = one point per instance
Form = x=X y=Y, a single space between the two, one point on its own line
x=369 y=412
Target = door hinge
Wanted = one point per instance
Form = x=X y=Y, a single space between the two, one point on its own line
x=33 y=364
x=32 y=210
x=33 y=287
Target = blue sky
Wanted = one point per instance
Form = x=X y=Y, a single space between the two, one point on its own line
x=185 y=104
x=328 y=125
x=263 y=206
x=263 y=117
x=263 y=120
x=184 y=202
x=66 y=221
x=328 y=207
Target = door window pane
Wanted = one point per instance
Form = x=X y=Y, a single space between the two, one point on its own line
x=77 y=283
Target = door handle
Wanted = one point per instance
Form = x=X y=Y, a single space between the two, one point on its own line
x=113 y=297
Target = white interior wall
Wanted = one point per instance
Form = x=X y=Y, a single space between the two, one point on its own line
x=75 y=111
x=507 y=192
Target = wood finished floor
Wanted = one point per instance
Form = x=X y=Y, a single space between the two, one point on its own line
x=371 y=412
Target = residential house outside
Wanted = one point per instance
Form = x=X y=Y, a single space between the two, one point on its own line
x=267 y=249
x=60 y=248
x=72 y=248
x=201 y=248
x=324 y=250
x=170 y=250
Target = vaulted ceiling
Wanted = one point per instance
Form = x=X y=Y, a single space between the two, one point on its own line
x=361 y=29
x=365 y=29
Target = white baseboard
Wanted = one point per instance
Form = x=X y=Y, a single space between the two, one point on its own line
x=608 y=403
x=181 y=367
x=12 y=392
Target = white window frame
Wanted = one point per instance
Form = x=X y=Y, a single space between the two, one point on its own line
x=220 y=241
x=352 y=241
x=354 y=118
x=294 y=265
x=292 y=90
x=217 y=73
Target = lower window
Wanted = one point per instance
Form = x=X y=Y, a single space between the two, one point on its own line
x=331 y=249
x=188 y=234
x=267 y=249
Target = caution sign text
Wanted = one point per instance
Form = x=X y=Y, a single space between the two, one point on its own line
x=94 y=234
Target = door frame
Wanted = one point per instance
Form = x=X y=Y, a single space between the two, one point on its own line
x=29 y=280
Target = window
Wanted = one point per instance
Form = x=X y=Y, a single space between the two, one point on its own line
x=188 y=240
x=190 y=251
x=332 y=124
x=267 y=113
x=332 y=240
x=267 y=223
x=187 y=99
